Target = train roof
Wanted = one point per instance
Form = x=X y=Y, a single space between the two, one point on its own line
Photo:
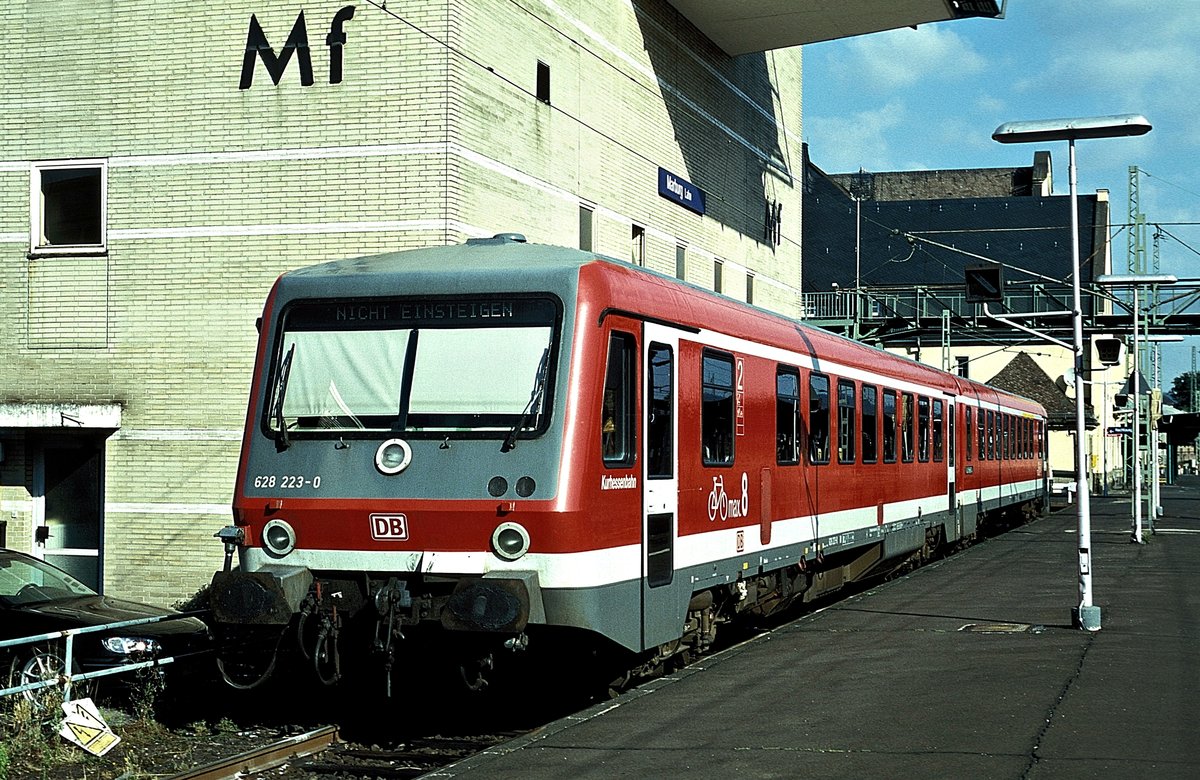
x=471 y=267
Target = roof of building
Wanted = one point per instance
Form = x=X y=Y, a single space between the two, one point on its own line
x=1024 y=376
x=908 y=243
x=739 y=27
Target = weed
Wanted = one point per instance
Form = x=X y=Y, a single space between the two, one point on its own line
x=144 y=692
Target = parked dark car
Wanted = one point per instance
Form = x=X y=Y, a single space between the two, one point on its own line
x=37 y=598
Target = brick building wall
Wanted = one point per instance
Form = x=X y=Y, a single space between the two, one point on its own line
x=434 y=134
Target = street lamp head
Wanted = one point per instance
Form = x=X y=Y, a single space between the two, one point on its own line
x=1135 y=280
x=1037 y=130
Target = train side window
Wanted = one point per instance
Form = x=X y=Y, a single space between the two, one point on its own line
x=889 y=426
x=939 y=431
x=991 y=434
x=617 y=428
x=716 y=409
x=908 y=426
x=787 y=411
x=660 y=445
x=846 y=406
x=970 y=430
x=982 y=423
x=818 y=418
x=922 y=428
x=1006 y=428
x=870 y=423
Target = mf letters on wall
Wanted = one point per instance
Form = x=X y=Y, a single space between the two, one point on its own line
x=257 y=46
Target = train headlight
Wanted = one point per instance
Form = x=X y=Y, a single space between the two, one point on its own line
x=279 y=537
x=393 y=456
x=510 y=541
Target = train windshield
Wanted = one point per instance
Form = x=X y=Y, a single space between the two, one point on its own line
x=447 y=365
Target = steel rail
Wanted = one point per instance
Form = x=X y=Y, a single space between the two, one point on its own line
x=266 y=757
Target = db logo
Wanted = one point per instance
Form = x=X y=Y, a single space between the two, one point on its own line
x=389 y=527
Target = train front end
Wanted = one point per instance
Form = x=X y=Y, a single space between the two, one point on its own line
x=403 y=438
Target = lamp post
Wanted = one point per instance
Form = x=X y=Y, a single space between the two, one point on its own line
x=1085 y=615
x=1136 y=282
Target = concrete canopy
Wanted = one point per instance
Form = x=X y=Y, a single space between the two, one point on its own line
x=744 y=26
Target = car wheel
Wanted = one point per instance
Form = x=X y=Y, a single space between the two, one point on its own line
x=39 y=665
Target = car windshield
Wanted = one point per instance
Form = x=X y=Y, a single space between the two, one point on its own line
x=412 y=366
x=26 y=581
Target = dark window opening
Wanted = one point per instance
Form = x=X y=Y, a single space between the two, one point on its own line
x=889 y=426
x=818 y=418
x=970 y=429
x=617 y=428
x=922 y=428
x=659 y=427
x=585 y=228
x=939 y=431
x=543 y=82
x=870 y=416
x=908 y=424
x=846 y=405
x=787 y=410
x=716 y=409
x=72 y=208
x=660 y=557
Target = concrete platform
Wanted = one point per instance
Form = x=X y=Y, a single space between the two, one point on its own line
x=968 y=668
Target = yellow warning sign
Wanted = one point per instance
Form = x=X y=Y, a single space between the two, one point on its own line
x=85 y=727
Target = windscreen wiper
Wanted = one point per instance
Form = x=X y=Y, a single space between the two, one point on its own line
x=535 y=400
x=285 y=371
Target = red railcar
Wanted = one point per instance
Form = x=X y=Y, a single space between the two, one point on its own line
x=499 y=446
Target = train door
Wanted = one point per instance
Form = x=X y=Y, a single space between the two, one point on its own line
x=661 y=483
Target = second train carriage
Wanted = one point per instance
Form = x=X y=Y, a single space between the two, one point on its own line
x=498 y=445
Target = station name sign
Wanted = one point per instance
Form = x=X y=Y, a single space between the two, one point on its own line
x=680 y=190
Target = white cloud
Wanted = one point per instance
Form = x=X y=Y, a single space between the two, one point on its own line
x=902 y=58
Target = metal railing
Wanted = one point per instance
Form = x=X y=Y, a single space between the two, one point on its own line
x=918 y=302
x=66 y=678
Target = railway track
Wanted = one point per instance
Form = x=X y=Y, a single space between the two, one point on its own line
x=320 y=753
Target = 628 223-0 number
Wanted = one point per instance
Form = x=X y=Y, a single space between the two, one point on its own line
x=287 y=482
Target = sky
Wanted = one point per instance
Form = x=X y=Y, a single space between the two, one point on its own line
x=930 y=98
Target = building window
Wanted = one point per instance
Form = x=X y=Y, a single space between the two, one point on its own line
x=718 y=273
x=716 y=409
x=585 y=227
x=637 y=251
x=749 y=288
x=680 y=262
x=543 y=82
x=617 y=424
x=962 y=366
x=787 y=410
x=69 y=207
